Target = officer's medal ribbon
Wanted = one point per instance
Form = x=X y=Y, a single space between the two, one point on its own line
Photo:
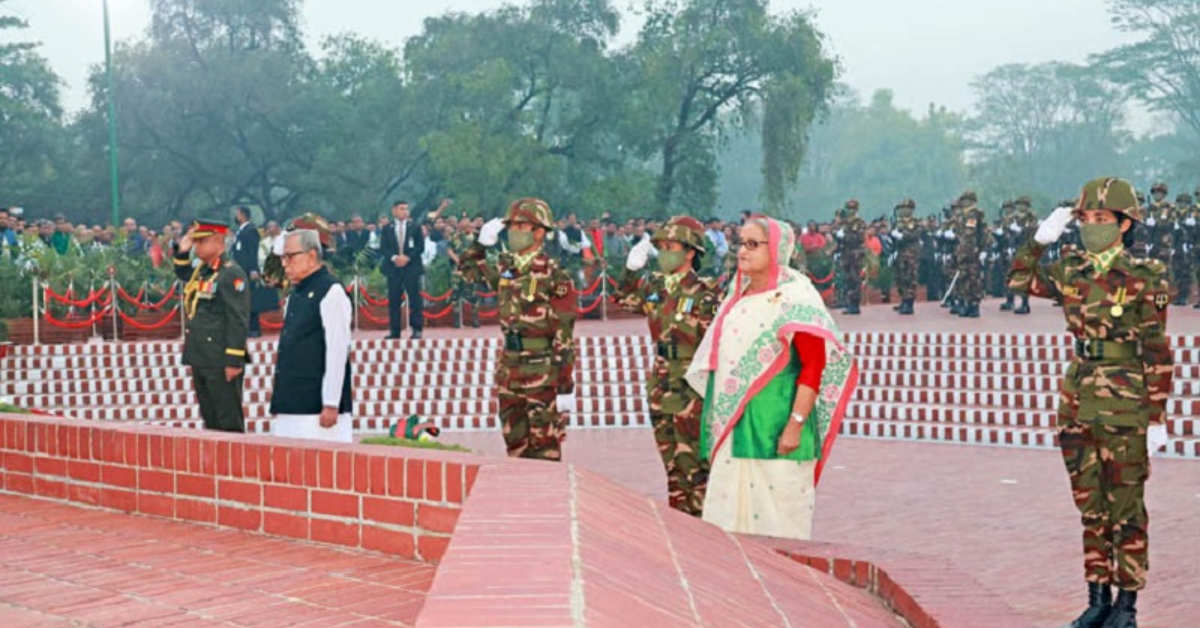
x=531 y=290
x=1119 y=309
x=684 y=308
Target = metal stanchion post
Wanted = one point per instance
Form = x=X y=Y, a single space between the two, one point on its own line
x=604 y=293
x=115 y=304
x=355 y=286
x=37 y=315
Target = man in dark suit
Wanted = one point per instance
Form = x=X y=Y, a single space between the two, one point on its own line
x=401 y=246
x=245 y=255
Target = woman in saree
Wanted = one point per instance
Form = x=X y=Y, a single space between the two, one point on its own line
x=776 y=379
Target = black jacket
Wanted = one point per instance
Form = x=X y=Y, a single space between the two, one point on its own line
x=300 y=368
x=245 y=248
x=413 y=247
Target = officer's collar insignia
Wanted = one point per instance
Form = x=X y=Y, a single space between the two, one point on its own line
x=653 y=298
x=1161 y=300
x=506 y=275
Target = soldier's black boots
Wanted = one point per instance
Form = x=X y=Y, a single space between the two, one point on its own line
x=956 y=307
x=1007 y=306
x=906 y=307
x=1098 y=610
x=971 y=310
x=1024 y=308
x=852 y=308
x=1124 y=611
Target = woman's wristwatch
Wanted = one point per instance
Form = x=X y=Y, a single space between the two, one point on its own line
x=799 y=418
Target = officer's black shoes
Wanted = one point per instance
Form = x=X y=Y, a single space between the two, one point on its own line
x=457 y=324
x=416 y=335
x=475 y=322
x=971 y=311
x=1124 y=611
x=1196 y=306
x=852 y=309
x=1098 y=610
x=1007 y=306
x=1023 y=309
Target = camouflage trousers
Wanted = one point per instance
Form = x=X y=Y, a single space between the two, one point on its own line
x=675 y=411
x=1108 y=467
x=1181 y=276
x=907 y=264
x=970 y=278
x=850 y=263
x=531 y=424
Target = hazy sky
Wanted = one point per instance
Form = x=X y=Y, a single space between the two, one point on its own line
x=927 y=51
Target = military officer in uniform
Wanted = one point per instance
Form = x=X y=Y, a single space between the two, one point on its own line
x=1024 y=224
x=1112 y=410
x=1160 y=218
x=679 y=306
x=970 y=253
x=464 y=293
x=907 y=234
x=537 y=301
x=1181 y=261
x=216 y=301
x=852 y=241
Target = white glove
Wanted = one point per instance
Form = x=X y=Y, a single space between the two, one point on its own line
x=639 y=255
x=896 y=234
x=489 y=233
x=983 y=258
x=948 y=234
x=841 y=233
x=998 y=232
x=1015 y=228
x=1191 y=222
x=1053 y=226
x=565 y=403
x=1150 y=222
x=1156 y=439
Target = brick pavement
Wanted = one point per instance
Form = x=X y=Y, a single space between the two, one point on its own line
x=61 y=565
x=1004 y=516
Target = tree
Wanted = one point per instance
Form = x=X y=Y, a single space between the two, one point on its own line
x=1044 y=129
x=1163 y=68
x=30 y=113
x=699 y=67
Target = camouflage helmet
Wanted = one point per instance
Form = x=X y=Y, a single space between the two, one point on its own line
x=1183 y=199
x=682 y=229
x=1159 y=187
x=1024 y=201
x=969 y=197
x=1113 y=194
x=313 y=222
x=1008 y=206
x=531 y=210
x=852 y=205
x=907 y=203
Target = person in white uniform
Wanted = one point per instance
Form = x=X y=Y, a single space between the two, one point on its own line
x=311 y=397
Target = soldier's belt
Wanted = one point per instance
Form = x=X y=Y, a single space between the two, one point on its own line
x=515 y=342
x=1091 y=349
x=672 y=351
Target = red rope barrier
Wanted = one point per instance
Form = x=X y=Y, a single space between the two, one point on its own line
x=588 y=310
x=825 y=280
x=489 y=313
x=595 y=286
x=443 y=314
x=362 y=311
x=93 y=296
x=369 y=299
x=428 y=297
x=95 y=318
x=149 y=326
x=137 y=301
x=485 y=295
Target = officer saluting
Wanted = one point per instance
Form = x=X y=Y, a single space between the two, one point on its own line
x=216 y=301
x=536 y=375
x=1112 y=411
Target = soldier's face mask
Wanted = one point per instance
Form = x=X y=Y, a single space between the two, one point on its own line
x=519 y=240
x=671 y=261
x=1098 y=237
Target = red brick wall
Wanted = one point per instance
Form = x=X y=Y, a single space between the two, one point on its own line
x=396 y=501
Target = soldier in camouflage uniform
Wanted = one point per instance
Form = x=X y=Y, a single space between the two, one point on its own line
x=1111 y=414
x=537 y=300
x=851 y=236
x=679 y=306
x=1160 y=217
x=950 y=269
x=1000 y=256
x=216 y=302
x=970 y=253
x=907 y=234
x=1181 y=261
x=465 y=292
x=1024 y=224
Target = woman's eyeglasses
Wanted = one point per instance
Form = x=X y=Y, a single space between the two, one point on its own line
x=751 y=245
